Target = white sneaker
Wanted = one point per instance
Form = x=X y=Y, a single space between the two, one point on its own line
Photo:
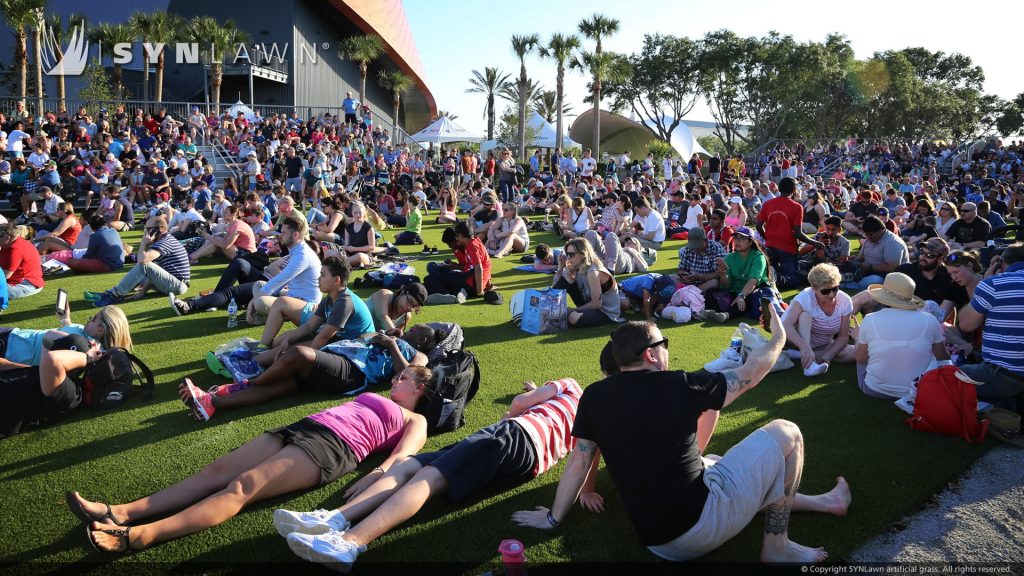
x=727 y=360
x=441 y=299
x=315 y=522
x=816 y=369
x=329 y=549
x=462 y=296
x=793 y=354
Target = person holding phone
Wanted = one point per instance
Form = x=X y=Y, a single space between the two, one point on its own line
x=162 y=265
x=21 y=347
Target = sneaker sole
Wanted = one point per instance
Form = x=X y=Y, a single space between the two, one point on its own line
x=308 y=554
x=198 y=412
x=287 y=524
x=174 y=304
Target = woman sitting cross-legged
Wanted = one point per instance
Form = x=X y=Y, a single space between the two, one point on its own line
x=743 y=273
x=238 y=239
x=592 y=288
x=817 y=321
x=344 y=367
x=312 y=452
x=509 y=234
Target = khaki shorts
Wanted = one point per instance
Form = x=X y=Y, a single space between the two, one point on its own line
x=751 y=475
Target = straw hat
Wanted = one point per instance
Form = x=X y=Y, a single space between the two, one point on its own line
x=896 y=292
x=1005 y=425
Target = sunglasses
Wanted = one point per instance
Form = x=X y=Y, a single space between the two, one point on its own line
x=966 y=211
x=929 y=255
x=149 y=230
x=663 y=341
x=569 y=254
x=827 y=291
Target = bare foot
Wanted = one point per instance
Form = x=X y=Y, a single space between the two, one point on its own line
x=838 y=499
x=94 y=509
x=791 y=553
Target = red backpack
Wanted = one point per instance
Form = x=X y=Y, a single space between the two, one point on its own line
x=947 y=403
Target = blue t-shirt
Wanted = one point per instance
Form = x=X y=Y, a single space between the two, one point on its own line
x=636 y=285
x=374 y=361
x=105 y=245
x=26 y=346
x=203 y=199
x=350 y=105
x=349 y=315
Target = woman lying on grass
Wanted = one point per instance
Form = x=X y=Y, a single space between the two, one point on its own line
x=21 y=347
x=312 y=452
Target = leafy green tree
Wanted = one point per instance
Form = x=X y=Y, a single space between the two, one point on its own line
x=546 y=104
x=507 y=132
x=491 y=83
x=396 y=83
x=216 y=41
x=96 y=90
x=523 y=45
x=560 y=49
x=660 y=149
x=109 y=34
x=157 y=28
x=721 y=53
x=1010 y=116
x=21 y=16
x=664 y=85
x=597 y=28
x=362 y=50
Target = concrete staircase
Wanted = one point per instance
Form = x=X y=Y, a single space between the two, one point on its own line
x=221 y=171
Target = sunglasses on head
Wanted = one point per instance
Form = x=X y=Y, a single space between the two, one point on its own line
x=955 y=259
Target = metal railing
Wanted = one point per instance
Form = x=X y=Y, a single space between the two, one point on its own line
x=224 y=158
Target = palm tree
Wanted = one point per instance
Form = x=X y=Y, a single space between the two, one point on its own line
x=109 y=34
x=559 y=49
x=396 y=82
x=523 y=45
x=37 y=32
x=597 y=27
x=21 y=15
x=533 y=91
x=156 y=28
x=447 y=114
x=54 y=26
x=546 y=104
x=362 y=49
x=223 y=40
x=491 y=82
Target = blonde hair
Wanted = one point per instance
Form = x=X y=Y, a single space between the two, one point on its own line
x=589 y=256
x=578 y=203
x=116 y=331
x=823 y=275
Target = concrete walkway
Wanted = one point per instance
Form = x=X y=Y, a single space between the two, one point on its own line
x=980 y=520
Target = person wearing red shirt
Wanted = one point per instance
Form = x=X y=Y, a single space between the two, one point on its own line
x=780 y=223
x=717 y=231
x=473 y=276
x=20 y=263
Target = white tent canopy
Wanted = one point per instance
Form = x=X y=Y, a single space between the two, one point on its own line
x=443 y=131
x=240 y=107
x=544 y=136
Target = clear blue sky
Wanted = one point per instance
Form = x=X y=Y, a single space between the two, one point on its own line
x=456 y=37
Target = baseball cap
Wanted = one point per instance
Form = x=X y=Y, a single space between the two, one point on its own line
x=882 y=211
x=75 y=342
x=936 y=246
x=743 y=231
x=735 y=200
x=417 y=291
x=696 y=237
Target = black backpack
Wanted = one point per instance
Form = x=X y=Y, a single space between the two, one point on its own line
x=114 y=377
x=453 y=384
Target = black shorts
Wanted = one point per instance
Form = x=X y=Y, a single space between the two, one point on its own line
x=4 y=337
x=332 y=373
x=22 y=401
x=323 y=446
x=350 y=118
x=501 y=453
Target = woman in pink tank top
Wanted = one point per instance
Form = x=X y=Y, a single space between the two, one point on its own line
x=309 y=453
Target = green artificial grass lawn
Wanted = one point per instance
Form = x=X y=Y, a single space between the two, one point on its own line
x=128 y=453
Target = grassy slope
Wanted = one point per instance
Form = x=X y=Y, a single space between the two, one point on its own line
x=128 y=453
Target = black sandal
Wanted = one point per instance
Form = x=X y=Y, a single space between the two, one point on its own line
x=121 y=532
x=82 y=514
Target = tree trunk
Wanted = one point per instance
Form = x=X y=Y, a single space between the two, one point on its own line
x=363 y=71
x=596 y=146
x=145 y=76
x=217 y=78
x=521 y=132
x=394 y=128
x=21 y=57
x=61 y=91
x=160 y=64
x=559 y=82
x=490 y=116
x=39 y=71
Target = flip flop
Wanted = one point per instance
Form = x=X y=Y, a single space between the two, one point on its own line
x=82 y=514
x=215 y=365
x=122 y=532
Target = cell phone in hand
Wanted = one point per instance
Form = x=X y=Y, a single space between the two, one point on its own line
x=765 y=303
x=62 y=302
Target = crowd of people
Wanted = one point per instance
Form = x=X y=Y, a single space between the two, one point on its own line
x=935 y=280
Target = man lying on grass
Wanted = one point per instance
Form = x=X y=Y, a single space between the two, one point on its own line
x=312 y=452
x=530 y=439
x=345 y=367
x=682 y=505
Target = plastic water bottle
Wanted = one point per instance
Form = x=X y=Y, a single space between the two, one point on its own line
x=736 y=343
x=512 y=557
x=232 y=314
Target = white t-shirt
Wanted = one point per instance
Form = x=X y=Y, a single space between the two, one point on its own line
x=15 y=141
x=652 y=223
x=38 y=159
x=824 y=328
x=691 y=216
x=899 y=348
x=666 y=168
x=587 y=166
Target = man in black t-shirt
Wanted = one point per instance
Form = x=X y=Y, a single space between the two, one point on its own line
x=931 y=281
x=859 y=210
x=969 y=232
x=652 y=425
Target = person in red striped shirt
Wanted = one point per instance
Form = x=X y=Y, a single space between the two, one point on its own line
x=533 y=436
